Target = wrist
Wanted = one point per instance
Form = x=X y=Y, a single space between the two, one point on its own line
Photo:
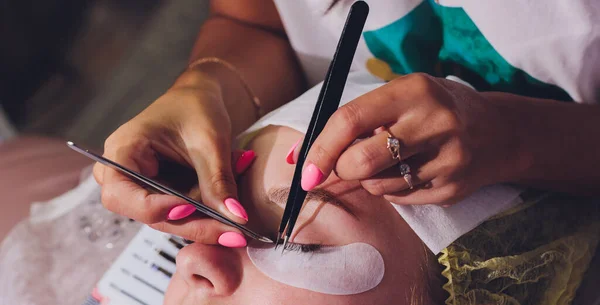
x=219 y=79
x=198 y=79
x=513 y=154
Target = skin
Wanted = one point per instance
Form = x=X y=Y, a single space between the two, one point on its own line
x=458 y=140
x=193 y=122
x=208 y=274
x=455 y=139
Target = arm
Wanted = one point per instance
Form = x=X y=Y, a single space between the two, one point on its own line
x=249 y=35
x=558 y=144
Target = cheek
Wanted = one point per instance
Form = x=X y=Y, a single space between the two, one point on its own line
x=258 y=289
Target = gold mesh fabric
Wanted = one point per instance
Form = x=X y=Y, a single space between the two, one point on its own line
x=535 y=254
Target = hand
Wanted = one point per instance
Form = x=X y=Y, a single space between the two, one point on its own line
x=190 y=126
x=452 y=137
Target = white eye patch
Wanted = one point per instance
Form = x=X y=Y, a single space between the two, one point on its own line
x=342 y=270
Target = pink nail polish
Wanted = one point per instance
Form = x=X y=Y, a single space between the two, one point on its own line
x=244 y=161
x=290 y=155
x=181 y=211
x=232 y=240
x=311 y=177
x=236 y=208
x=97 y=295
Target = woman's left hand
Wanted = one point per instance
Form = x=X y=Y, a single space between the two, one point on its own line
x=454 y=139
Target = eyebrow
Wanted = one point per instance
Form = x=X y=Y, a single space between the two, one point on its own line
x=280 y=195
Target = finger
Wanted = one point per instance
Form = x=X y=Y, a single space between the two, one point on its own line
x=364 y=114
x=436 y=193
x=371 y=156
x=129 y=199
x=292 y=155
x=203 y=230
x=379 y=130
x=241 y=160
x=98 y=172
x=390 y=181
x=123 y=196
x=215 y=175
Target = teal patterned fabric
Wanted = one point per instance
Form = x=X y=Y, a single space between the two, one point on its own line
x=444 y=41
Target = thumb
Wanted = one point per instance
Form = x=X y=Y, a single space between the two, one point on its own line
x=217 y=182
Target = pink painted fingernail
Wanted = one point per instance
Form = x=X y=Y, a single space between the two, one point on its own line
x=97 y=295
x=181 y=211
x=244 y=161
x=236 y=208
x=290 y=155
x=232 y=240
x=311 y=177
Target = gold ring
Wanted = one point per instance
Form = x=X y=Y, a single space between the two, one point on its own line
x=393 y=145
x=405 y=172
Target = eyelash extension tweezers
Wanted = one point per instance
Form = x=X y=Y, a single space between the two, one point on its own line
x=327 y=103
x=167 y=190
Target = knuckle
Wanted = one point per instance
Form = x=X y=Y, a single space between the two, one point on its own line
x=375 y=187
x=348 y=118
x=199 y=233
x=98 y=173
x=109 y=143
x=448 y=120
x=366 y=159
x=109 y=200
x=420 y=81
x=321 y=154
x=148 y=213
x=221 y=182
x=459 y=157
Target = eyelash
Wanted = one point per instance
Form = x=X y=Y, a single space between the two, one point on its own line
x=304 y=248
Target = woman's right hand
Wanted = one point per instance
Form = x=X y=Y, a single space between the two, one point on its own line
x=189 y=124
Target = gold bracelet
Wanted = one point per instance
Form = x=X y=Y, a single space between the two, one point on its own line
x=232 y=68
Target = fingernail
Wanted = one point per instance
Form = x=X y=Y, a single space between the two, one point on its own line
x=181 y=211
x=290 y=155
x=244 y=161
x=236 y=208
x=232 y=240
x=311 y=177
x=96 y=294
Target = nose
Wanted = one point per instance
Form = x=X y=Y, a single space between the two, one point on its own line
x=210 y=270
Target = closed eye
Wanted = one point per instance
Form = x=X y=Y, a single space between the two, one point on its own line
x=304 y=248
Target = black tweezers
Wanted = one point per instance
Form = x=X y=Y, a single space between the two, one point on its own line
x=327 y=103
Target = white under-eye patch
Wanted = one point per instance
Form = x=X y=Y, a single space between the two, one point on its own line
x=339 y=270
